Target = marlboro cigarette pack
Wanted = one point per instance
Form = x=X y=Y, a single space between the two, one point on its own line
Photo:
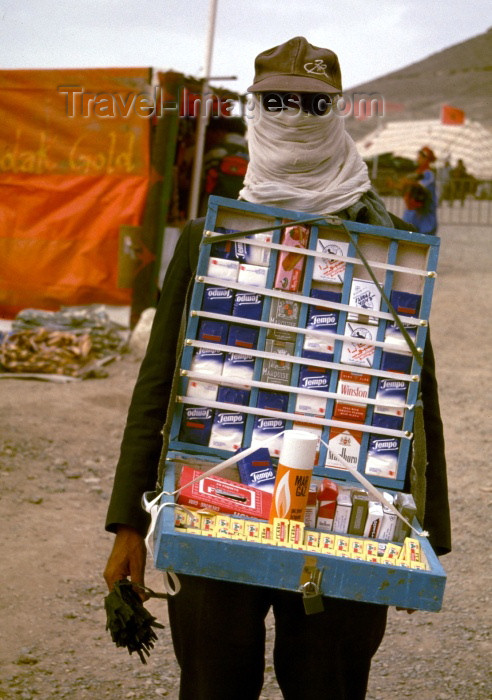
x=343 y=443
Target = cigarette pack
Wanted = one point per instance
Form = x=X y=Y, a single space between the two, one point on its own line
x=223 y=522
x=343 y=443
x=405 y=303
x=311 y=506
x=207 y=521
x=406 y=505
x=222 y=495
x=356 y=351
x=285 y=312
x=388 y=523
x=358 y=516
x=290 y=265
x=410 y=551
x=327 y=268
x=277 y=371
x=351 y=411
x=374 y=519
x=343 y=511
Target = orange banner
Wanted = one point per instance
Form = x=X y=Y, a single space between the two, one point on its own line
x=74 y=167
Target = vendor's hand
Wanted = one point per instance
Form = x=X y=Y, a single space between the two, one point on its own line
x=127 y=558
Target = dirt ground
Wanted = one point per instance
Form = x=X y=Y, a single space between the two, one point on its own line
x=58 y=447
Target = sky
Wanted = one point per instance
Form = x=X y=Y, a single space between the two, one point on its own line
x=371 y=37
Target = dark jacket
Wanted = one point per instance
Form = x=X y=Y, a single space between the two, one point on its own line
x=142 y=440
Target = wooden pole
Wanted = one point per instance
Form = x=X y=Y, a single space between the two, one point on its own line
x=203 y=118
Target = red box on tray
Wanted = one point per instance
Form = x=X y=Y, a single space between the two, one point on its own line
x=222 y=495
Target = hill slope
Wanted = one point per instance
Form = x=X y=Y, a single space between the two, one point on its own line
x=460 y=75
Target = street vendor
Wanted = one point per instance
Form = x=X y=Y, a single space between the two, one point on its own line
x=302 y=159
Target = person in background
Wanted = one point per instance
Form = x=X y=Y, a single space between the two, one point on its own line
x=301 y=158
x=443 y=181
x=225 y=159
x=420 y=196
x=461 y=182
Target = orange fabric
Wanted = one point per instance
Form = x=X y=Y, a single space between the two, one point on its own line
x=67 y=183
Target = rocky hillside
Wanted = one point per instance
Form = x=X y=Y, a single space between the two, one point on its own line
x=460 y=75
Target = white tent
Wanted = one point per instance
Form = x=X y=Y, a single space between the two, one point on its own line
x=470 y=141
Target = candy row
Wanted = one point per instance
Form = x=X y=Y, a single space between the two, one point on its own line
x=294 y=535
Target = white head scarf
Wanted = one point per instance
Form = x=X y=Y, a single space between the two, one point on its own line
x=302 y=162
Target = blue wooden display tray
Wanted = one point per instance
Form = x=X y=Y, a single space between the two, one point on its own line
x=280 y=567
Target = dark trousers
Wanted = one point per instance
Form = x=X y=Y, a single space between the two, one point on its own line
x=218 y=633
